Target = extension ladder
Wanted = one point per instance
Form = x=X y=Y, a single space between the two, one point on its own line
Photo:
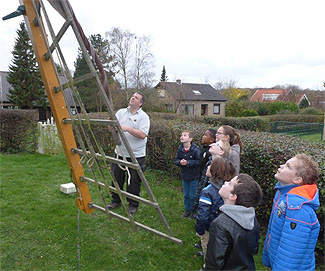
x=80 y=126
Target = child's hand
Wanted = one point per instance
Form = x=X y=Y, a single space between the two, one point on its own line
x=183 y=162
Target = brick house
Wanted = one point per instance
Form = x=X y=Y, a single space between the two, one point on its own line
x=191 y=99
x=272 y=95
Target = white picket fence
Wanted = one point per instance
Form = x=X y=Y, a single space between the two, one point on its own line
x=48 y=138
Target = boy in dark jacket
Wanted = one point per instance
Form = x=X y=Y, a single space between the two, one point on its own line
x=220 y=171
x=188 y=159
x=234 y=234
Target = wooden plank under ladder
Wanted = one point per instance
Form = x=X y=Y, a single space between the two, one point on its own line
x=80 y=140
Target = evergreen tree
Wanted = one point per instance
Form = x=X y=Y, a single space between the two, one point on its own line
x=163 y=78
x=24 y=75
x=88 y=89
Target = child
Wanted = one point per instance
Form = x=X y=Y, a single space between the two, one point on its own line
x=208 y=138
x=220 y=171
x=218 y=149
x=234 y=234
x=226 y=132
x=293 y=227
x=188 y=159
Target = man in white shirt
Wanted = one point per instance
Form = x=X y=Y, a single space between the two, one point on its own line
x=135 y=124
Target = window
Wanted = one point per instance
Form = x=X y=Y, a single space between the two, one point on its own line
x=73 y=111
x=169 y=107
x=216 y=108
x=187 y=109
x=270 y=97
x=196 y=92
x=161 y=93
x=204 y=109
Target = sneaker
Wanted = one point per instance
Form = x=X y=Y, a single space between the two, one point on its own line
x=132 y=210
x=193 y=216
x=113 y=205
x=199 y=253
x=198 y=245
x=187 y=213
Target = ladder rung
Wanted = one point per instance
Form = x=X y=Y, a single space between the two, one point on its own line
x=109 y=159
x=75 y=81
x=60 y=34
x=113 y=189
x=142 y=226
x=93 y=121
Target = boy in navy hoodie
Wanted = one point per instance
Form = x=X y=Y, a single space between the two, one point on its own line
x=188 y=159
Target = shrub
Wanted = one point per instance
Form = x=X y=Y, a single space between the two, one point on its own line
x=277 y=106
x=18 y=131
x=310 y=111
x=249 y=113
x=248 y=123
x=296 y=118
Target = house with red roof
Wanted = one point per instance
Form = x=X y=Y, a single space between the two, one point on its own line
x=277 y=94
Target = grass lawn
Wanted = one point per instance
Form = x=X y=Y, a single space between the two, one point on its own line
x=39 y=224
x=313 y=137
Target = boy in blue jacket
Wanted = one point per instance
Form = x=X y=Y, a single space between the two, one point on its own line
x=220 y=171
x=293 y=227
x=188 y=159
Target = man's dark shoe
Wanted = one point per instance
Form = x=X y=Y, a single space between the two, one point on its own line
x=113 y=205
x=187 y=213
x=198 y=245
x=199 y=253
x=132 y=210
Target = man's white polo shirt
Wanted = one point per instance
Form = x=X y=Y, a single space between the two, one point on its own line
x=139 y=120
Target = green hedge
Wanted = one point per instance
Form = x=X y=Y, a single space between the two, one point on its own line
x=296 y=118
x=18 y=130
x=244 y=123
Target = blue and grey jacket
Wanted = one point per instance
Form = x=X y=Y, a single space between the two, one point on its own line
x=209 y=203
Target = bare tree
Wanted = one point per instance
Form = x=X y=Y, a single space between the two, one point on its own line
x=121 y=42
x=143 y=64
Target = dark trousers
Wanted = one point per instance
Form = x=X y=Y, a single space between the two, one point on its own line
x=121 y=177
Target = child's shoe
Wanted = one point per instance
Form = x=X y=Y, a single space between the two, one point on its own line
x=187 y=213
x=193 y=215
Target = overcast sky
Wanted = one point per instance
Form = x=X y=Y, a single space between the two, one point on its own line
x=257 y=43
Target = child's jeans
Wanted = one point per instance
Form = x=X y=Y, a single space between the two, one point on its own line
x=189 y=191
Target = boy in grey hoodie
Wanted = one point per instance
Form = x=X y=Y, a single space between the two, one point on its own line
x=234 y=234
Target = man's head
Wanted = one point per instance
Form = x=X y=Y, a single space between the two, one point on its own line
x=186 y=137
x=300 y=169
x=241 y=190
x=221 y=148
x=137 y=100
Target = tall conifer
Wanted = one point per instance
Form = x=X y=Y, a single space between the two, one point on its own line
x=24 y=76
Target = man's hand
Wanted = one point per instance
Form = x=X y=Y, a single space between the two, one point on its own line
x=135 y=132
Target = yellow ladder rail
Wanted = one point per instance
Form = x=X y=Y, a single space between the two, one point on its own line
x=58 y=106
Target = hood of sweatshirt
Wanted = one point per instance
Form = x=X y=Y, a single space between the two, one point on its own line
x=235 y=148
x=242 y=215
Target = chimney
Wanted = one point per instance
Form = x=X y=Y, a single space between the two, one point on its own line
x=178 y=81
